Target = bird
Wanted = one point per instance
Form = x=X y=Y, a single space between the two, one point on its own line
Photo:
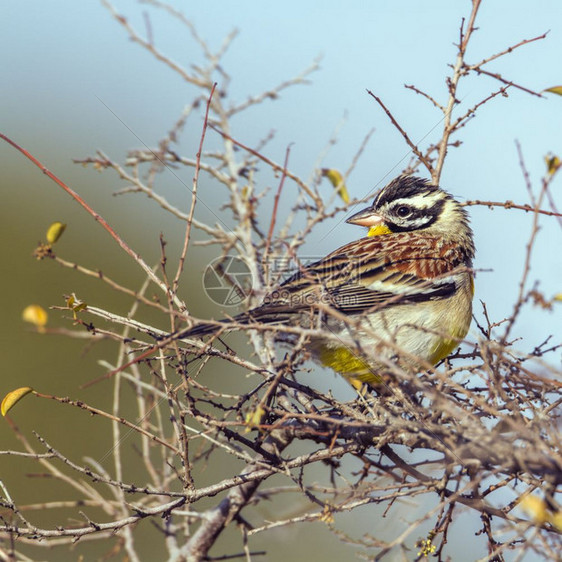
x=401 y=295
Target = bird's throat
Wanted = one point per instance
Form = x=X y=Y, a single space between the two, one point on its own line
x=378 y=230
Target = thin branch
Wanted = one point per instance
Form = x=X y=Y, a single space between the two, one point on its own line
x=511 y=205
x=503 y=80
x=276 y=205
x=508 y=50
x=425 y=95
x=273 y=165
x=422 y=158
x=453 y=85
x=135 y=37
x=193 y=195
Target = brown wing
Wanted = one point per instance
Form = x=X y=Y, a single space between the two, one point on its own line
x=405 y=267
x=369 y=273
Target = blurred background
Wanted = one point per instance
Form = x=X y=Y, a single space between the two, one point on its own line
x=73 y=83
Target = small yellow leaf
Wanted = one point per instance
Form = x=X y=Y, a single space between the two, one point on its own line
x=427 y=548
x=254 y=418
x=13 y=398
x=557 y=297
x=336 y=179
x=327 y=515
x=75 y=305
x=54 y=232
x=35 y=315
x=552 y=163
x=554 y=90
x=535 y=507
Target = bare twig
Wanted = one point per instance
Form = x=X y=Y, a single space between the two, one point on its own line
x=193 y=195
x=422 y=158
x=276 y=205
x=512 y=205
x=453 y=83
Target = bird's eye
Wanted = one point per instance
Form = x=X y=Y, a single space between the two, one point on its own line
x=403 y=211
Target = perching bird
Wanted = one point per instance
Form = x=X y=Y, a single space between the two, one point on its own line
x=403 y=294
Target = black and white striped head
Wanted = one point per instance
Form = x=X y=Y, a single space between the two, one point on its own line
x=409 y=203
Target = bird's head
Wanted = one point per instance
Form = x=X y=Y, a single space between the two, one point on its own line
x=408 y=204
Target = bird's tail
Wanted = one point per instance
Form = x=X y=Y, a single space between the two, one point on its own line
x=261 y=315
